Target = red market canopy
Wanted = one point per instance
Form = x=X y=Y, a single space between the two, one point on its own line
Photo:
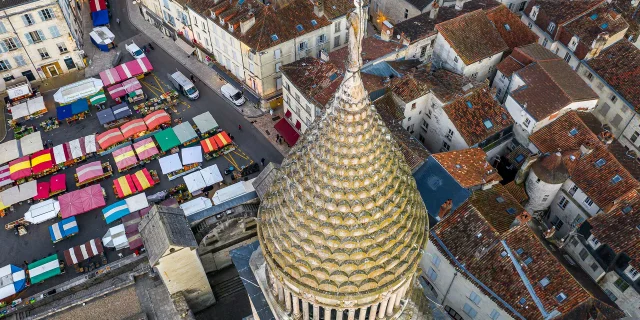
x=83 y=252
x=109 y=77
x=42 y=160
x=145 y=148
x=131 y=222
x=289 y=134
x=109 y=138
x=155 y=119
x=132 y=128
x=209 y=145
x=20 y=168
x=142 y=179
x=124 y=186
x=124 y=157
x=81 y=201
x=43 y=191
x=58 y=182
x=97 y=5
x=116 y=91
x=89 y=171
x=222 y=139
x=134 y=68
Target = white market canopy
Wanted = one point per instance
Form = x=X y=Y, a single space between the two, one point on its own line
x=12 y=280
x=233 y=191
x=184 y=132
x=191 y=155
x=116 y=238
x=19 y=193
x=31 y=143
x=211 y=175
x=170 y=163
x=102 y=35
x=90 y=143
x=9 y=151
x=137 y=202
x=43 y=211
x=194 y=182
x=196 y=205
x=78 y=90
x=19 y=111
x=205 y=122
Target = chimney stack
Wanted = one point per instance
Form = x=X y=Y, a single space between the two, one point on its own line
x=524 y=217
x=445 y=209
x=459 y=4
x=318 y=8
x=585 y=150
x=549 y=233
x=386 y=31
x=434 y=10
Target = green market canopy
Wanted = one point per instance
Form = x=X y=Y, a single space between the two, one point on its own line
x=98 y=98
x=167 y=139
x=44 y=269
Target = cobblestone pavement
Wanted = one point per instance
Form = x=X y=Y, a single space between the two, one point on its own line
x=117 y=305
x=265 y=124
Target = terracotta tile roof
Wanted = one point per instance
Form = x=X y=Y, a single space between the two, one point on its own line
x=518 y=155
x=388 y=109
x=373 y=82
x=373 y=48
x=415 y=154
x=472 y=36
x=523 y=56
x=422 y=26
x=485 y=118
x=593 y=308
x=445 y=85
x=311 y=77
x=510 y=27
x=568 y=80
x=517 y=191
x=556 y=135
x=559 y=11
x=337 y=8
x=497 y=206
x=628 y=11
x=509 y=65
x=468 y=166
x=619 y=66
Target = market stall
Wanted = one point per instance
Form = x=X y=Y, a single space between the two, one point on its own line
x=217 y=145
x=195 y=183
x=167 y=139
x=42 y=163
x=63 y=229
x=81 y=201
x=20 y=169
x=170 y=163
x=133 y=89
x=166 y=100
x=179 y=193
x=77 y=149
x=146 y=150
x=83 y=252
x=9 y=151
x=5 y=177
x=145 y=179
x=134 y=68
x=57 y=184
x=98 y=99
x=125 y=158
x=211 y=175
x=116 y=92
x=43 y=191
x=185 y=133
x=106 y=118
x=75 y=111
x=157 y=118
x=109 y=77
x=115 y=211
x=196 y=205
x=137 y=202
x=124 y=186
x=78 y=90
x=122 y=112
x=42 y=211
x=50 y=124
x=191 y=155
x=12 y=280
x=18 y=89
x=131 y=222
x=29 y=109
x=31 y=143
x=91 y=172
x=17 y=194
x=20 y=131
x=97 y=5
x=90 y=146
x=206 y=124
x=116 y=238
x=100 y=18
x=224 y=142
x=102 y=38
x=44 y=269
x=62 y=155
x=109 y=138
x=133 y=129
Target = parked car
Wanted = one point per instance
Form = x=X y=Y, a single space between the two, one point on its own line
x=184 y=85
x=135 y=51
x=233 y=94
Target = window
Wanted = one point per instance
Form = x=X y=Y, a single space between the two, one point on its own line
x=336 y=26
x=9 y=44
x=494 y=315
x=594 y=267
x=507 y=27
x=165 y=3
x=286 y=86
x=588 y=201
x=455 y=59
x=617 y=178
x=519 y=251
x=278 y=66
x=28 y=19
x=544 y=282
x=545 y=198
x=523 y=5
x=449 y=135
x=631 y=271
x=567 y=57
x=530 y=25
x=616 y=121
x=500 y=199
x=589 y=75
x=526 y=122
x=563 y=203
x=551 y=27
x=35 y=36
x=474 y=75
x=20 y=61
x=613 y=98
x=322 y=39
x=423 y=51
x=475 y=298
x=573 y=189
x=274 y=37
x=53 y=30
x=302 y=46
x=436 y=261
x=62 y=47
x=297 y=97
x=488 y=124
x=522 y=301
x=314 y=23
x=470 y=311
x=425 y=125
x=634 y=136
x=300 y=28
x=5 y=65
x=610 y=295
x=621 y=285
x=511 y=211
x=432 y=274
x=626 y=209
x=583 y=254
x=428 y=113
x=561 y=297
x=519 y=158
x=46 y=14
x=445 y=146
x=527 y=261
x=600 y=162
x=336 y=41
x=406 y=13
x=43 y=53
x=2 y=28
x=279 y=84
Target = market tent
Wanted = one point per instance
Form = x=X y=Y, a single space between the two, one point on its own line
x=116 y=238
x=12 y=280
x=124 y=158
x=109 y=138
x=191 y=155
x=5 y=175
x=44 y=269
x=121 y=111
x=97 y=5
x=131 y=223
x=205 y=122
x=109 y=77
x=102 y=38
x=61 y=153
x=142 y=180
x=167 y=139
x=81 y=201
x=222 y=139
x=65 y=228
x=131 y=85
x=209 y=145
x=117 y=91
x=83 y=252
x=89 y=171
x=145 y=148
x=43 y=191
x=90 y=143
x=285 y=129
x=58 y=182
x=124 y=186
x=100 y=18
x=170 y=163
x=41 y=161
x=19 y=111
x=42 y=211
x=132 y=128
x=28 y=190
x=194 y=182
x=20 y=168
x=9 y=151
x=78 y=90
x=76 y=147
x=79 y=106
x=105 y=116
x=185 y=132
x=137 y=202
x=196 y=205
x=115 y=211
x=31 y=143
x=211 y=175
x=98 y=98
x=156 y=118
x=64 y=112
x=134 y=68
x=36 y=105
x=10 y=196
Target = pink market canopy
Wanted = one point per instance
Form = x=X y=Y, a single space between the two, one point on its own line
x=124 y=158
x=81 y=201
x=131 y=85
x=116 y=91
x=109 y=77
x=89 y=171
x=134 y=68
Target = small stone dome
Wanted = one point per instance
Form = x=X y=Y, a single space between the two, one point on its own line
x=551 y=169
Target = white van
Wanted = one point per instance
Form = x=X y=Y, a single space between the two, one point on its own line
x=233 y=94
x=184 y=85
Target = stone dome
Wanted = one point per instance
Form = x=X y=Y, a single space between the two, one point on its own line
x=343 y=219
x=551 y=169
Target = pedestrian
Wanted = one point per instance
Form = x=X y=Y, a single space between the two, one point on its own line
x=193 y=79
x=277 y=137
x=118 y=21
x=151 y=46
x=262 y=161
x=240 y=127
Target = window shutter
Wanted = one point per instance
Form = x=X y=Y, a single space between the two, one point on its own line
x=54 y=31
x=53 y=15
x=24 y=19
x=2 y=28
x=8 y=64
x=41 y=34
x=17 y=42
x=277 y=53
x=29 y=39
x=41 y=14
x=3 y=47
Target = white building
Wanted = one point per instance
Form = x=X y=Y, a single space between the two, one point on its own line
x=574 y=30
x=40 y=39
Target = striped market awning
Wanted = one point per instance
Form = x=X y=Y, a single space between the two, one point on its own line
x=98 y=98
x=83 y=252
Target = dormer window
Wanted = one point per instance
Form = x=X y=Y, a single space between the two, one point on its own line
x=593 y=242
x=551 y=27
x=574 y=43
x=299 y=28
x=604 y=26
x=314 y=23
x=534 y=12
x=274 y=37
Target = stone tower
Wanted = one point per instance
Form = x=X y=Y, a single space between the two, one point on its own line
x=545 y=179
x=172 y=251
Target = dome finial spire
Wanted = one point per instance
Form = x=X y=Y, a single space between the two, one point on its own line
x=357 y=28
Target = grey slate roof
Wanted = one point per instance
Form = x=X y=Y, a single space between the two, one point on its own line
x=162 y=228
x=264 y=180
x=6 y=4
x=419 y=4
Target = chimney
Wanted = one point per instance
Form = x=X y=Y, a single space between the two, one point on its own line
x=318 y=8
x=445 y=209
x=387 y=30
x=524 y=217
x=585 y=150
x=434 y=10
x=598 y=44
x=459 y=4
x=606 y=137
x=248 y=23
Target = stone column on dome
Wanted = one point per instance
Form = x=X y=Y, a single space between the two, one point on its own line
x=280 y=292
x=352 y=314
x=339 y=314
x=305 y=309
x=316 y=312
x=392 y=301
x=363 y=313
x=287 y=300
x=383 y=308
x=373 y=312
x=296 y=307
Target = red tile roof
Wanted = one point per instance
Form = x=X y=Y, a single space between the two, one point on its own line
x=311 y=77
x=509 y=65
x=559 y=11
x=517 y=191
x=468 y=166
x=470 y=122
x=444 y=84
x=472 y=36
x=373 y=48
x=555 y=136
x=510 y=27
x=497 y=206
x=523 y=56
